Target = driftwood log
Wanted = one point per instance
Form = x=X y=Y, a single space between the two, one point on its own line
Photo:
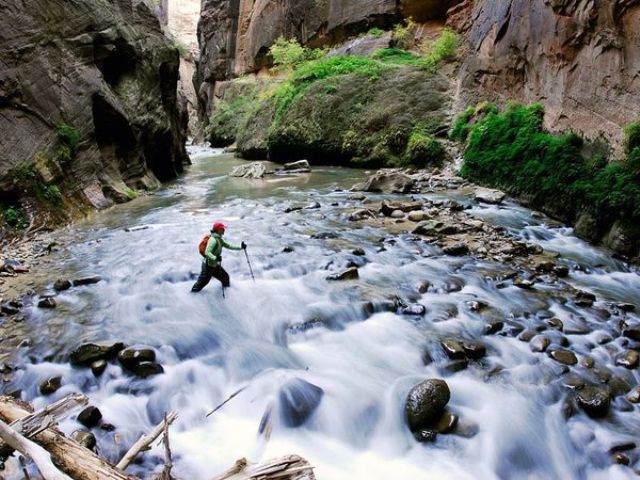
x=71 y=457
x=144 y=441
x=291 y=467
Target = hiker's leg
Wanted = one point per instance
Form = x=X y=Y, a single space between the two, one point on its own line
x=203 y=278
x=221 y=274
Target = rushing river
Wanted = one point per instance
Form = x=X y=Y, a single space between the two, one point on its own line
x=292 y=323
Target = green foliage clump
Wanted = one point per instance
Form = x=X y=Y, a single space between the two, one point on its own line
x=289 y=54
x=68 y=140
x=396 y=56
x=15 y=217
x=182 y=48
x=25 y=177
x=423 y=149
x=443 y=49
x=462 y=124
x=321 y=69
x=632 y=136
x=376 y=32
x=511 y=150
x=131 y=193
x=402 y=34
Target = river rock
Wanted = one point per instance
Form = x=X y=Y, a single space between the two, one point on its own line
x=555 y=323
x=626 y=307
x=632 y=333
x=146 y=369
x=428 y=227
x=397 y=214
x=425 y=435
x=594 y=401
x=47 y=302
x=98 y=367
x=301 y=166
x=298 y=399
x=539 y=344
x=453 y=348
x=457 y=249
x=387 y=182
x=447 y=423
x=634 y=395
x=414 y=309
x=358 y=197
x=621 y=458
x=524 y=283
x=487 y=195
x=358 y=252
x=86 y=354
x=9 y=309
x=348 y=274
x=361 y=214
x=474 y=349
x=51 y=385
x=561 y=271
x=84 y=438
x=90 y=417
x=584 y=299
x=416 y=217
x=628 y=359
x=425 y=403
x=493 y=326
x=78 y=282
x=61 y=284
x=388 y=208
x=566 y=357
x=253 y=170
x=132 y=356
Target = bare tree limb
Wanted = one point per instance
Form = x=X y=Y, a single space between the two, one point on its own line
x=144 y=441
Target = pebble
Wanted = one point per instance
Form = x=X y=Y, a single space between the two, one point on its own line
x=453 y=349
x=48 y=302
x=84 y=438
x=563 y=356
x=90 y=417
x=51 y=385
x=594 y=401
x=61 y=284
x=539 y=344
x=348 y=274
x=628 y=359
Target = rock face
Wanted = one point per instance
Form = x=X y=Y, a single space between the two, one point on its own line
x=105 y=69
x=580 y=56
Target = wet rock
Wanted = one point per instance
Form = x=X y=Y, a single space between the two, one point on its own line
x=388 y=208
x=456 y=250
x=447 y=423
x=573 y=382
x=130 y=357
x=634 y=395
x=566 y=357
x=527 y=335
x=632 y=333
x=428 y=227
x=622 y=447
x=79 y=282
x=490 y=196
x=9 y=309
x=524 y=283
x=348 y=274
x=397 y=214
x=86 y=354
x=361 y=214
x=253 y=170
x=417 y=216
x=84 y=438
x=561 y=271
x=47 y=302
x=312 y=206
x=474 y=349
x=621 y=459
x=584 y=299
x=493 y=327
x=301 y=166
x=61 y=284
x=555 y=323
x=425 y=403
x=453 y=348
x=108 y=427
x=90 y=417
x=414 y=309
x=425 y=436
x=587 y=362
x=98 y=367
x=298 y=400
x=628 y=359
x=146 y=369
x=387 y=182
x=626 y=307
x=51 y=385
x=358 y=197
x=454 y=367
x=594 y=401
x=539 y=344
x=359 y=252
x=288 y=249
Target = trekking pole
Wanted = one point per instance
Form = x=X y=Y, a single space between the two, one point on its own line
x=249 y=263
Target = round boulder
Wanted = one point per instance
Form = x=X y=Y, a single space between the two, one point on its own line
x=594 y=401
x=426 y=402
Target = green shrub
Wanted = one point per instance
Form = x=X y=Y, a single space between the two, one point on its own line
x=443 y=49
x=131 y=194
x=423 y=149
x=632 y=136
x=396 y=56
x=289 y=54
x=402 y=34
x=182 y=48
x=68 y=140
x=461 y=127
x=376 y=32
x=16 y=217
x=511 y=150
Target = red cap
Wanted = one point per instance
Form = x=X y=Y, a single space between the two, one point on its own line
x=218 y=227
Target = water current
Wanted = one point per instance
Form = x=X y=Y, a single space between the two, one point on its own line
x=291 y=323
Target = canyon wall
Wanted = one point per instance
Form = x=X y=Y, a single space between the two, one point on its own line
x=101 y=71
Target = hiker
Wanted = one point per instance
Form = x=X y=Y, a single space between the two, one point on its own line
x=211 y=250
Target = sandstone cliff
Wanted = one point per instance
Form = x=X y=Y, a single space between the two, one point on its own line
x=580 y=58
x=101 y=71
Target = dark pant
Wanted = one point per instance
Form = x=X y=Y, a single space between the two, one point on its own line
x=205 y=277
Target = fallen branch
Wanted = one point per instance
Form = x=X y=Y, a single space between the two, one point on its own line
x=231 y=397
x=144 y=441
x=290 y=467
x=168 y=464
x=32 y=451
x=75 y=460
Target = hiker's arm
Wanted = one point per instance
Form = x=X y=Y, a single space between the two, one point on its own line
x=229 y=246
x=208 y=253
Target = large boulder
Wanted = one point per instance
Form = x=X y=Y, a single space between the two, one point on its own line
x=88 y=353
x=387 y=182
x=298 y=400
x=487 y=195
x=425 y=403
x=252 y=170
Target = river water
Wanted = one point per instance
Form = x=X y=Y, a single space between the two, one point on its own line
x=291 y=323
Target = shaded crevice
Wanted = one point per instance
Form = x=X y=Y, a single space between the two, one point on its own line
x=115 y=59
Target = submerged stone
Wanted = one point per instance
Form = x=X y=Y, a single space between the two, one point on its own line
x=298 y=400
